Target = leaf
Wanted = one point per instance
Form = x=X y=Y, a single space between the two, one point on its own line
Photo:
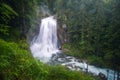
x=4 y=29
x=7 y=8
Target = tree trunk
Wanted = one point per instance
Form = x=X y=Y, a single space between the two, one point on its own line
x=118 y=74
x=114 y=76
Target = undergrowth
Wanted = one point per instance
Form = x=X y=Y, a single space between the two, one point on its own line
x=17 y=63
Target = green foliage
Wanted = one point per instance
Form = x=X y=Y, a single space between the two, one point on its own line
x=4 y=29
x=93 y=29
x=7 y=13
x=17 y=63
x=61 y=73
x=98 y=61
x=19 y=16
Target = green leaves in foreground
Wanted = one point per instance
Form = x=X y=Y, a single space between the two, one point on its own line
x=6 y=14
x=16 y=63
x=61 y=73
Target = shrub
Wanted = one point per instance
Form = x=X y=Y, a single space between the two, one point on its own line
x=16 y=63
x=61 y=73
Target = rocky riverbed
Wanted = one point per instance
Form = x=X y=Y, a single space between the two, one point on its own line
x=73 y=63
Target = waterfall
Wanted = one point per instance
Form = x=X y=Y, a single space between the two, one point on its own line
x=45 y=45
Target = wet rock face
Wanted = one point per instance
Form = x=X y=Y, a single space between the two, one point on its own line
x=58 y=58
x=62 y=35
x=102 y=76
x=68 y=61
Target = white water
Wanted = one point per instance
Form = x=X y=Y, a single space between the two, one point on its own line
x=80 y=65
x=45 y=45
x=46 y=42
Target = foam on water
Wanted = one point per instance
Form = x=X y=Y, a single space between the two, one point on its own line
x=46 y=43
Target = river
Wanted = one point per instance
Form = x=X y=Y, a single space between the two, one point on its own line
x=73 y=63
x=45 y=48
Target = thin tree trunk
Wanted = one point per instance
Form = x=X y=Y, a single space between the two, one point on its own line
x=114 y=76
x=107 y=74
x=118 y=74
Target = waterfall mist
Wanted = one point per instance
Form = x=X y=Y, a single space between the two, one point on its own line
x=45 y=45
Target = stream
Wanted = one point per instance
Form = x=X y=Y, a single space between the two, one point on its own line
x=73 y=63
x=45 y=48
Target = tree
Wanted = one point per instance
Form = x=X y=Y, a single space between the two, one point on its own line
x=7 y=13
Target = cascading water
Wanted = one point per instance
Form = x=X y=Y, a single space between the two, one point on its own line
x=45 y=45
x=46 y=42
